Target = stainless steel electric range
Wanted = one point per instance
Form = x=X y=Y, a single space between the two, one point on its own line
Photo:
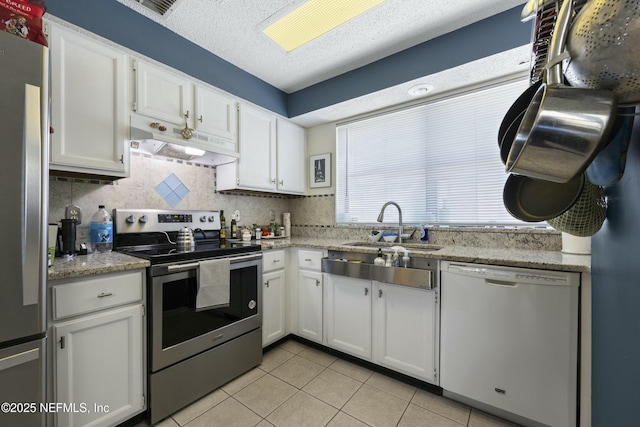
x=204 y=303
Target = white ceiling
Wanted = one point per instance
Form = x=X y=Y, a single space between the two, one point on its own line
x=232 y=30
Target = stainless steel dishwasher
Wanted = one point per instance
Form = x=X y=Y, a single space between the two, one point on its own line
x=509 y=341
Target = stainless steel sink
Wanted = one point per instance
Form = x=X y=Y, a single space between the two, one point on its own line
x=359 y=265
x=414 y=246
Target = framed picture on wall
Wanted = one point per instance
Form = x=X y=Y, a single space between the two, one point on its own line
x=320 y=170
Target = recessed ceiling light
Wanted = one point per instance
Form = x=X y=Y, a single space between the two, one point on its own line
x=313 y=19
x=420 y=90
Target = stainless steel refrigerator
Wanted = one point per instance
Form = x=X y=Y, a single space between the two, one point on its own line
x=24 y=134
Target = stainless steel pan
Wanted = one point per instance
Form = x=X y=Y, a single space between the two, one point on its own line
x=564 y=127
x=534 y=200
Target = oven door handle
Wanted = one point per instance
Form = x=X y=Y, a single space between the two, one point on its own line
x=182 y=266
x=246 y=257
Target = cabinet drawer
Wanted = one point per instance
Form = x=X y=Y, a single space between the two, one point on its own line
x=272 y=260
x=71 y=299
x=310 y=260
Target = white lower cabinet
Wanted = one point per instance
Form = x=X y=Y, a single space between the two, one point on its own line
x=391 y=325
x=347 y=315
x=273 y=297
x=99 y=352
x=310 y=305
x=309 y=294
x=406 y=330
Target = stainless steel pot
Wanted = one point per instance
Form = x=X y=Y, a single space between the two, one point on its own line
x=604 y=49
x=564 y=127
x=513 y=118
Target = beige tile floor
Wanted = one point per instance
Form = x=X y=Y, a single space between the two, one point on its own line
x=299 y=386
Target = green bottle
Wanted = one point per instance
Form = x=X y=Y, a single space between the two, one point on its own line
x=223 y=226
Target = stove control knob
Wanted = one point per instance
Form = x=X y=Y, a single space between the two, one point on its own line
x=131 y=219
x=212 y=218
x=203 y=218
x=143 y=219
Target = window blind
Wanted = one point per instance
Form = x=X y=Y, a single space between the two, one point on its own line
x=439 y=161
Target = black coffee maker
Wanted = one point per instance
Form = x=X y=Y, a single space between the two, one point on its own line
x=67 y=237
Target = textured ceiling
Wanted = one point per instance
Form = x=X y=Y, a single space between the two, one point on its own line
x=232 y=30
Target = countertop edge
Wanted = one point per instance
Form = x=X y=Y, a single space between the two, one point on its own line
x=103 y=263
x=508 y=257
x=93 y=264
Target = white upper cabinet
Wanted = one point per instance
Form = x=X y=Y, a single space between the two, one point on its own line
x=256 y=167
x=162 y=95
x=272 y=154
x=171 y=99
x=88 y=106
x=215 y=113
x=290 y=157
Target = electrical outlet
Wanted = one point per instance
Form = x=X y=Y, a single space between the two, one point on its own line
x=237 y=212
x=74 y=212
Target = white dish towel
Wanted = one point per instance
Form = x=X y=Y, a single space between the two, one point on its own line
x=213 y=284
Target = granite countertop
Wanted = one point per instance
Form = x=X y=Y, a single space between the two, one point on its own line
x=96 y=263
x=100 y=263
x=546 y=260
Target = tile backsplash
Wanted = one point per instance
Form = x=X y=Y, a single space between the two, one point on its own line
x=160 y=183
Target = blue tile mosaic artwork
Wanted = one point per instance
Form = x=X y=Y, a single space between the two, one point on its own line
x=172 y=190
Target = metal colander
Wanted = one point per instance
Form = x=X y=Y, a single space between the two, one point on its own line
x=586 y=216
x=604 y=49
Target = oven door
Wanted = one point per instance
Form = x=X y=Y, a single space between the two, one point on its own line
x=179 y=331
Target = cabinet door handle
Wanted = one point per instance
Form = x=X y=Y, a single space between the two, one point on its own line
x=61 y=343
x=200 y=118
x=308 y=259
x=366 y=291
x=273 y=181
x=276 y=260
x=281 y=182
x=105 y=294
x=266 y=283
x=186 y=116
x=379 y=293
x=317 y=282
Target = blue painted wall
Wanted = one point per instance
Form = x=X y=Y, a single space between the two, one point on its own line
x=487 y=37
x=615 y=265
x=118 y=23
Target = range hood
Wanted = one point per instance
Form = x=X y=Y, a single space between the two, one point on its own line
x=167 y=141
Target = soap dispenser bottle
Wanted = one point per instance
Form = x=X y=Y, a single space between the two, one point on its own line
x=388 y=261
x=405 y=259
x=379 y=260
x=395 y=260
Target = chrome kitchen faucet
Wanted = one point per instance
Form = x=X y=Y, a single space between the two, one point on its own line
x=381 y=217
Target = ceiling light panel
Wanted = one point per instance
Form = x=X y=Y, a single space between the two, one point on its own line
x=313 y=19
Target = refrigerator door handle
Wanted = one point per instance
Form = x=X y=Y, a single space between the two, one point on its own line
x=32 y=206
x=19 y=359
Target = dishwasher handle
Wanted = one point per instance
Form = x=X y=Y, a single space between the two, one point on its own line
x=508 y=276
